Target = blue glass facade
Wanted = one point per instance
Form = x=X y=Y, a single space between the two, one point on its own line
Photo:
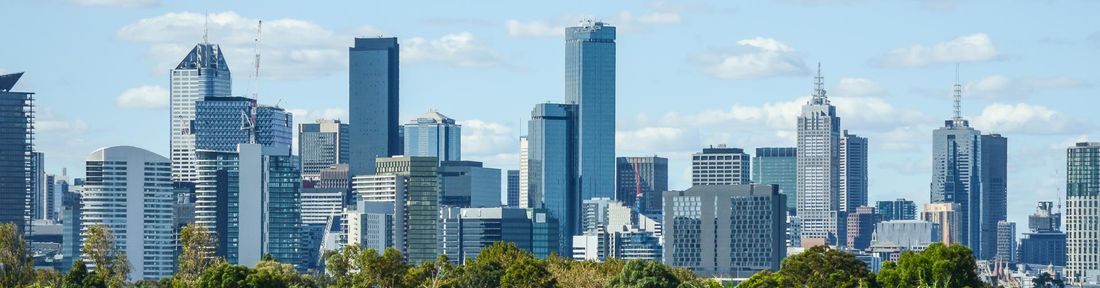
x=433 y=135
x=373 y=102
x=552 y=167
x=590 y=84
x=513 y=189
x=779 y=166
x=220 y=121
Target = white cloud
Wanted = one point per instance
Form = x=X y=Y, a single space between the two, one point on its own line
x=999 y=86
x=757 y=58
x=310 y=116
x=1028 y=119
x=857 y=87
x=624 y=22
x=118 y=3
x=871 y=113
x=534 y=29
x=493 y=143
x=459 y=50
x=144 y=97
x=48 y=122
x=970 y=48
x=651 y=139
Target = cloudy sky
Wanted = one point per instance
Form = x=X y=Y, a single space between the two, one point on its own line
x=690 y=74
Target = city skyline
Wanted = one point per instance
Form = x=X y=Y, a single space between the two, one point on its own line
x=1034 y=107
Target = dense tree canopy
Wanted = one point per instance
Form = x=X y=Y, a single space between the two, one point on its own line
x=936 y=266
x=819 y=266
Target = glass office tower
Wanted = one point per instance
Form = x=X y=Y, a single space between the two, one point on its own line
x=202 y=73
x=373 y=102
x=779 y=166
x=590 y=84
x=433 y=135
x=551 y=164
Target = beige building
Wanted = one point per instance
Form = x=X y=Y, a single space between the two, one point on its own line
x=947 y=215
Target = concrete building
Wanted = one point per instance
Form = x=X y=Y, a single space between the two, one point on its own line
x=373 y=102
x=469 y=185
x=421 y=205
x=433 y=135
x=590 y=85
x=1006 y=242
x=1045 y=243
x=322 y=145
x=779 y=166
x=320 y=204
x=725 y=230
x=640 y=182
x=202 y=73
x=900 y=209
x=512 y=188
x=551 y=164
x=819 y=169
x=129 y=190
x=603 y=214
x=1083 y=212
x=861 y=227
x=853 y=172
x=720 y=166
x=524 y=174
x=908 y=234
x=16 y=150
x=379 y=215
x=948 y=216
x=629 y=244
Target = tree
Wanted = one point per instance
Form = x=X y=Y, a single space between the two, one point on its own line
x=527 y=272
x=936 y=266
x=582 y=274
x=110 y=263
x=385 y=271
x=224 y=275
x=821 y=266
x=47 y=278
x=480 y=274
x=197 y=256
x=16 y=264
x=270 y=273
x=76 y=275
x=644 y=274
x=431 y=274
x=1046 y=281
x=503 y=253
x=340 y=264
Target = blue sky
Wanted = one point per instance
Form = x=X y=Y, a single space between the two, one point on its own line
x=690 y=74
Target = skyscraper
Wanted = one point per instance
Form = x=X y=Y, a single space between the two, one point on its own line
x=512 y=199
x=433 y=135
x=421 y=205
x=590 y=84
x=947 y=215
x=321 y=145
x=779 y=166
x=468 y=184
x=853 y=172
x=1045 y=243
x=1006 y=242
x=524 y=175
x=725 y=230
x=551 y=163
x=640 y=182
x=219 y=124
x=202 y=73
x=39 y=186
x=129 y=191
x=16 y=148
x=373 y=102
x=720 y=166
x=819 y=169
x=994 y=193
x=861 y=226
x=1083 y=211
x=900 y=209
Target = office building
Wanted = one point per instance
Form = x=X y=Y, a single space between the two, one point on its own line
x=373 y=224
x=626 y=244
x=39 y=185
x=861 y=226
x=604 y=214
x=853 y=172
x=1083 y=212
x=1045 y=243
x=725 y=230
x=321 y=204
x=900 y=209
x=70 y=230
x=545 y=234
x=552 y=179
x=221 y=123
x=471 y=229
x=512 y=199
x=779 y=166
x=202 y=73
x=336 y=177
x=469 y=185
x=818 y=160
x=1006 y=242
x=720 y=166
x=373 y=102
x=129 y=190
x=592 y=245
x=640 y=182
x=16 y=150
x=433 y=135
x=524 y=174
x=251 y=200
x=907 y=234
x=590 y=85
x=994 y=191
x=421 y=204
x=322 y=145
x=948 y=217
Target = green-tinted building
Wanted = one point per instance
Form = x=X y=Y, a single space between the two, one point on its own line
x=421 y=215
x=779 y=166
x=1082 y=211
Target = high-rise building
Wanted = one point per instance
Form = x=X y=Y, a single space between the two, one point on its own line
x=1083 y=212
x=947 y=215
x=907 y=234
x=39 y=186
x=524 y=174
x=321 y=204
x=720 y=166
x=433 y=135
x=16 y=150
x=219 y=124
x=900 y=209
x=373 y=76
x=512 y=188
x=70 y=230
x=819 y=169
x=335 y=177
x=421 y=204
x=321 y=145
x=467 y=184
x=779 y=166
x=552 y=156
x=251 y=200
x=604 y=214
x=725 y=230
x=202 y=73
x=129 y=191
x=861 y=226
x=1045 y=244
x=640 y=182
x=471 y=229
x=599 y=245
x=853 y=172
x=379 y=217
x=1006 y=242
x=994 y=199
x=590 y=85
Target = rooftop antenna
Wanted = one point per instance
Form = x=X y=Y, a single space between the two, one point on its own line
x=819 y=87
x=250 y=118
x=957 y=89
x=206 y=28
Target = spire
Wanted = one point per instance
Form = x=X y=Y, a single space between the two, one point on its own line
x=819 y=87
x=958 y=97
x=206 y=29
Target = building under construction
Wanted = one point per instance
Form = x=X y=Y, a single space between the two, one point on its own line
x=16 y=149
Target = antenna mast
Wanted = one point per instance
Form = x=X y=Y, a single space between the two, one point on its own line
x=819 y=87
x=206 y=29
x=957 y=89
x=250 y=119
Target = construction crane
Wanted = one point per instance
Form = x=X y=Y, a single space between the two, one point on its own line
x=249 y=117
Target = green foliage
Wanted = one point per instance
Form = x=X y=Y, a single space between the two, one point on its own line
x=503 y=253
x=16 y=265
x=224 y=275
x=480 y=274
x=431 y=274
x=819 y=266
x=76 y=275
x=111 y=263
x=198 y=246
x=936 y=266
x=582 y=274
x=270 y=273
x=644 y=274
x=1046 y=281
x=527 y=272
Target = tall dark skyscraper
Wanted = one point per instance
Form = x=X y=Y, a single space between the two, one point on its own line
x=552 y=152
x=853 y=172
x=779 y=166
x=16 y=148
x=647 y=176
x=994 y=197
x=590 y=84
x=373 y=102
x=512 y=189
